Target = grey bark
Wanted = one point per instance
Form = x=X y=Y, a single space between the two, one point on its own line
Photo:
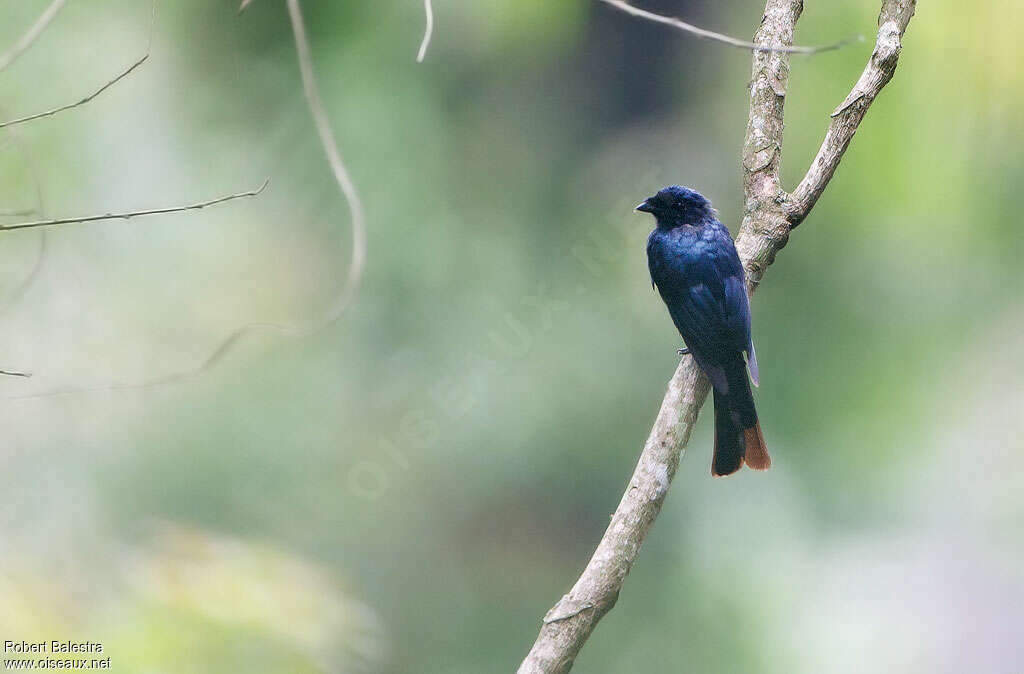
x=770 y=213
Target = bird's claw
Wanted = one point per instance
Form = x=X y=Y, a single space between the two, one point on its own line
x=682 y=352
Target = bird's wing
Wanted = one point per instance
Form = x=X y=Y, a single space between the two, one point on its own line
x=705 y=291
x=699 y=317
x=717 y=297
x=716 y=305
x=738 y=318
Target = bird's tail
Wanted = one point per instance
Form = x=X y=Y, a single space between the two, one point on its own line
x=738 y=436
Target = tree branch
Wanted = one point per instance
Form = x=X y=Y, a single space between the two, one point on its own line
x=892 y=23
x=717 y=37
x=39 y=115
x=765 y=231
x=569 y=623
x=133 y=214
x=32 y=34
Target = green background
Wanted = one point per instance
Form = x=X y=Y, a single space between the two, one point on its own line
x=412 y=488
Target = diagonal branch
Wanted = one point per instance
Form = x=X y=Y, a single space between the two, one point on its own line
x=32 y=34
x=892 y=23
x=717 y=37
x=133 y=214
x=39 y=115
x=570 y=622
x=765 y=230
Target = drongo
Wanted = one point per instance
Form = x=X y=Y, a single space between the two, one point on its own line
x=694 y=264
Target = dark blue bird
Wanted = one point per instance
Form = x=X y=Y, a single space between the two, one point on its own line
x=696 y=269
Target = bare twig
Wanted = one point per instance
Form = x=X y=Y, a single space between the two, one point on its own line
x=358 y=257
x=18 y=291
x=718 y=37
x=123 y=74
x=428 y=33
x=765 y=230
x=341 y=175
x=175 y=377
x=133 y=214
x=33 y=33
x=11 y=373
x=348 y=189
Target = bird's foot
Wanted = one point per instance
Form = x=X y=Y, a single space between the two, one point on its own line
x=682 y=352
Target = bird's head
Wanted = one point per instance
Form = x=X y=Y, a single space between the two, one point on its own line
x=674 y=206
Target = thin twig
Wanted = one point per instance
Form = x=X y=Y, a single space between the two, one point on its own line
x=719 y=37
x=134 y=214
x=428 y=33
x=221 y=350
x=30 y=36
x=175 y=377
x=12 y=373
x=341 y=174
x=764 y=232
x=26 y=282
x=125 y=73
x=358 y=258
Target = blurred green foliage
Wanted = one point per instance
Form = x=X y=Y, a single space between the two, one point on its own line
x=411 y=489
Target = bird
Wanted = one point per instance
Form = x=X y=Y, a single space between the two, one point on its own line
x=698 y=273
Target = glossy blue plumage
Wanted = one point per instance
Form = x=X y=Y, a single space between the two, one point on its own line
x=699 y=275
x=695 y=267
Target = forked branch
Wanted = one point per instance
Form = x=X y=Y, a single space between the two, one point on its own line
x=765 y=230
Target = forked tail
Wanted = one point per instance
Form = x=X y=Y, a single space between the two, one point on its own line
x=738 y=436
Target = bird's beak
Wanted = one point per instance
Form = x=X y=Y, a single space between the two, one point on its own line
x=644 y=207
